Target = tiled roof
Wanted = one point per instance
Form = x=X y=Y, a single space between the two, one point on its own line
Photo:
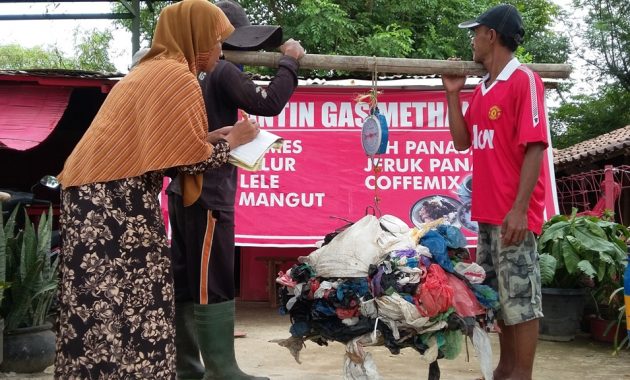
x=601 y=147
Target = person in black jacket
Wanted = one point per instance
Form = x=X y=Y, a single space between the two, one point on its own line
x=203 y=233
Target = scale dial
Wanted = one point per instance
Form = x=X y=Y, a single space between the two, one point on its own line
x=374 y=134
x=371 y=135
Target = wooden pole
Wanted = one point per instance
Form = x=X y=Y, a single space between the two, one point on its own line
x=410 y=66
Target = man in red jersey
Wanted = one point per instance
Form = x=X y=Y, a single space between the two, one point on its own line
x=506 y=128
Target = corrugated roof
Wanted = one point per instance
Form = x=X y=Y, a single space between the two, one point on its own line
x=601 y=147
x=62 y=73
x=64 y=78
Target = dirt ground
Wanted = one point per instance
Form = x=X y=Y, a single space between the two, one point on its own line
x=579 y=359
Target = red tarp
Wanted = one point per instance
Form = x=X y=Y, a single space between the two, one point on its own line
x=28 y=114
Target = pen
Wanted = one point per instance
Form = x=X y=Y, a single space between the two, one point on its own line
x=244 y=115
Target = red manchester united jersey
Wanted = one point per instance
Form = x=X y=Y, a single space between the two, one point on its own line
x=502 y=119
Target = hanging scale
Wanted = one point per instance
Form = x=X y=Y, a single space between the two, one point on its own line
x=374 y=135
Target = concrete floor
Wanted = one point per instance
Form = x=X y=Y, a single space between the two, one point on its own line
x=579 y=359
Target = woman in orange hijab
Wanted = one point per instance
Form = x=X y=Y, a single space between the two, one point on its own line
x=115 y=290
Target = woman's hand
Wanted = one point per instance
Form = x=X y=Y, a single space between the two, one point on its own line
x=242 y=132
x=216 y=135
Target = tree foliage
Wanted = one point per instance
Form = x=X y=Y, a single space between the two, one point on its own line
x=90 y=53
x=16 y=57
x=606 y=32
x=587 y=116
x=148 y=18
x=413 y=28
x=406 y=28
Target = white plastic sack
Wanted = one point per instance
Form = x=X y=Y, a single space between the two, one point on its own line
x=393 y=225
x=390 y=243
x=323 y=287
x=473 y=272
x=481 y=342
x=358 y=364
x=431 y=353
x=412 y=275
x=350 y=253
x=396 y=312
x=395 y=234
x=297 y=291
x=424 y=251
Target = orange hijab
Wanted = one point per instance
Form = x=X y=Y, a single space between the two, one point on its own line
x=155 y=117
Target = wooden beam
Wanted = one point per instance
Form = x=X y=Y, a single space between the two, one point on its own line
x=409 y=66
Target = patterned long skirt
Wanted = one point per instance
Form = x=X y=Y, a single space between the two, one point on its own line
x=115 y=291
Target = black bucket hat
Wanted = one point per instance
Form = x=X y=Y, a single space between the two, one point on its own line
x=247 y=36
x=503 y=18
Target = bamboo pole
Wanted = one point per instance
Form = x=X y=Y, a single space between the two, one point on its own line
x=410 y=66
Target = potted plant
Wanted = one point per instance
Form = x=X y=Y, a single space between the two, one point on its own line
x=577 y=252
x=609 y=324
x=600 y=310
x=3 y=283
x=29 y=343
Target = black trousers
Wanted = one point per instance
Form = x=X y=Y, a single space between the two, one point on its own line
x=202 y=246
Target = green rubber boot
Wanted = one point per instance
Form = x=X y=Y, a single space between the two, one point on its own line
x=215 y=330
x=187 y=360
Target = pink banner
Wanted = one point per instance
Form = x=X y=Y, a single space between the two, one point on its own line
x=321 y=176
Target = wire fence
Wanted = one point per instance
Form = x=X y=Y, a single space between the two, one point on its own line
x=586 y=191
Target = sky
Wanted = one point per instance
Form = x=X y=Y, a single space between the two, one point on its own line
x=31 y=33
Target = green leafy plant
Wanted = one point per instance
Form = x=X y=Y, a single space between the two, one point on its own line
x=619 y=323
x=605 y=301
x=581 y=251
x=3 y=261
x=30 y=271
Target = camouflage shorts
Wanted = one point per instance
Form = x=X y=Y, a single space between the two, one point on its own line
x=514 y=272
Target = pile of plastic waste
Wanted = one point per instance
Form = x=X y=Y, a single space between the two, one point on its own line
x=380 y=282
